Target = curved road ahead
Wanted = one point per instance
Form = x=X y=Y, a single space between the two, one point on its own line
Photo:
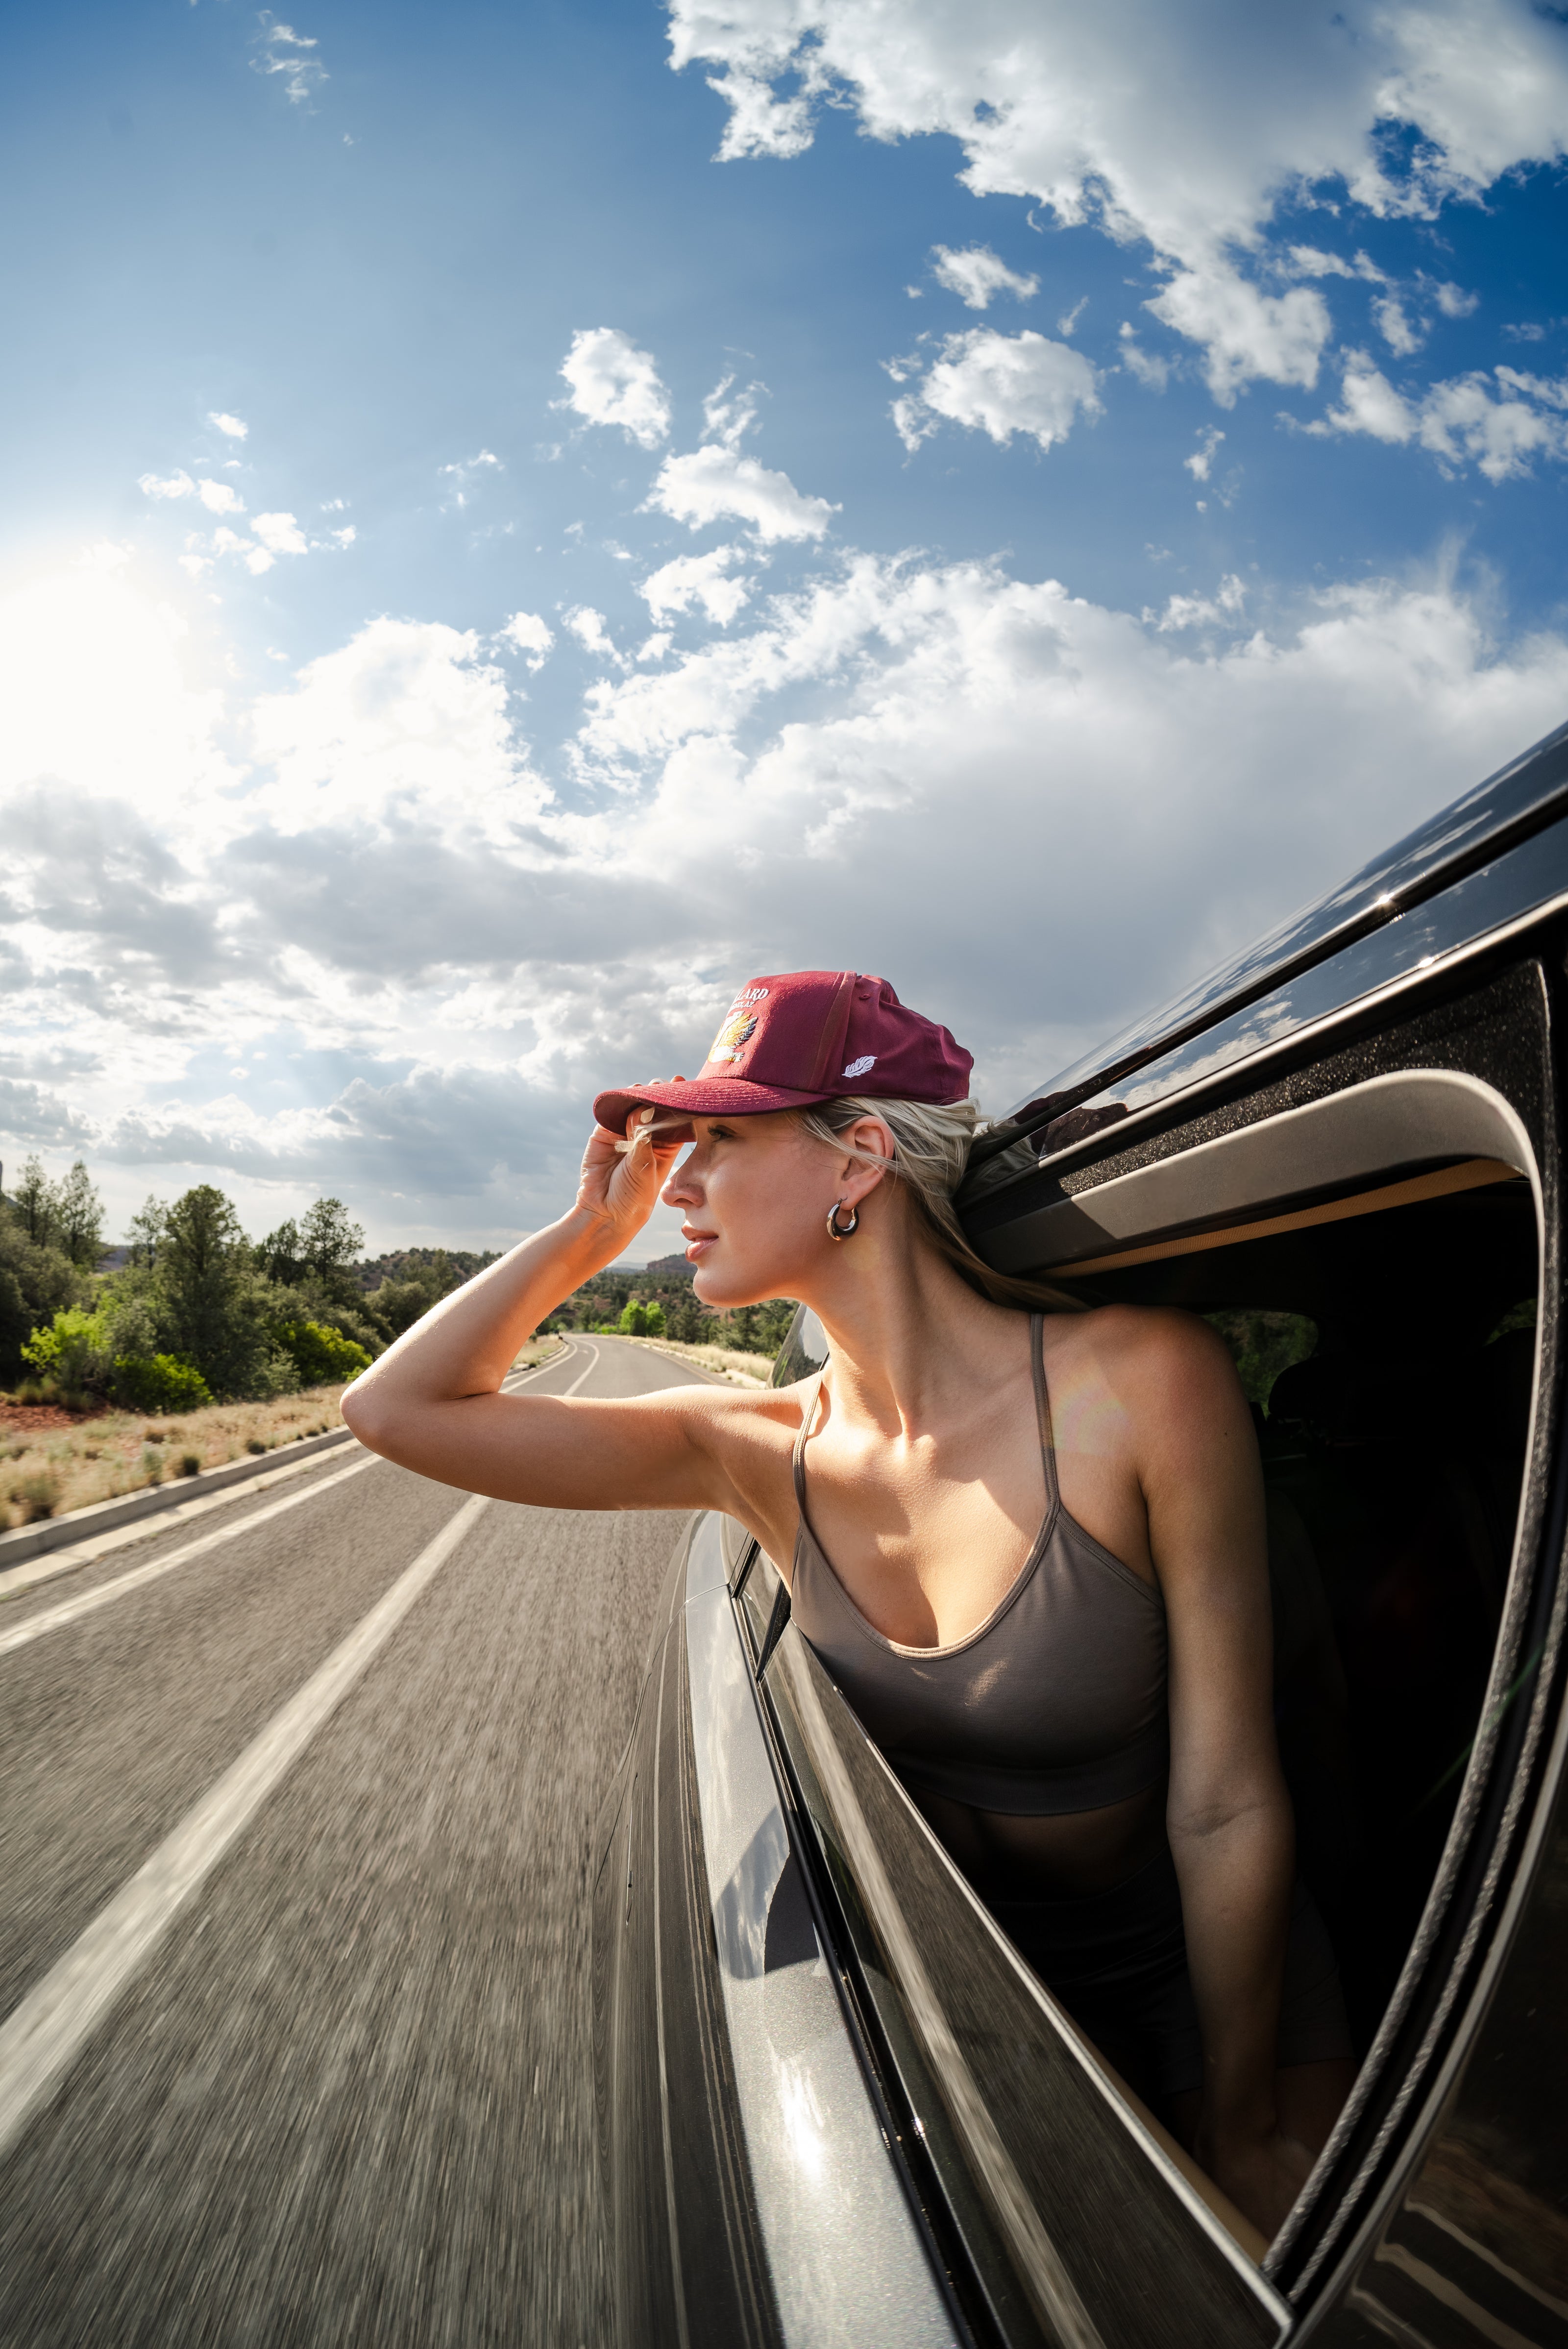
x=340 y=2091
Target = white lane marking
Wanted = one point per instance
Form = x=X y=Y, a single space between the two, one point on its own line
x=45 y=2032
x=86 y=1602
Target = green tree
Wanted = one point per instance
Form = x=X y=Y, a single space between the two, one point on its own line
x=690 y=1324
x=655 y=1323
x=35 y=1203
x=214 y=1311
x=37 y=1282
x=144 y=1232
x=281 y=1255
x=329 y=1241
x=79 y=1214
x=397 y=1304
x=633 y=1322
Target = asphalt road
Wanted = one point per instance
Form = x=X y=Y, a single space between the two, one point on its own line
x=345 y=2096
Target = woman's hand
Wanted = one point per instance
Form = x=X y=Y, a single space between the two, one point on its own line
x=1262 y=2175
x=618 y=1185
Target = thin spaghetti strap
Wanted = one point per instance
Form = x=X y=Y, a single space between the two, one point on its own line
x=1042 y=1408
x=807 y=1417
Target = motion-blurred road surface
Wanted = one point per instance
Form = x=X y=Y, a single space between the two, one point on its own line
x=346 y=2096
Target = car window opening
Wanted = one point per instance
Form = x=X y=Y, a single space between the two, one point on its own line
x=1389 y=1360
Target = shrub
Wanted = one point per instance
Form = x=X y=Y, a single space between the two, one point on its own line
x=152 y=1464
x=73 y=1351
x=161 y=1382
x=256 y=1445
x=320 y=1356
x=633 y=1322
x=37 y=1495
x=190 y=1463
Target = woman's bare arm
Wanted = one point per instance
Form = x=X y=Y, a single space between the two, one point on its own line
x=1228 y=1815
x=432 y=1401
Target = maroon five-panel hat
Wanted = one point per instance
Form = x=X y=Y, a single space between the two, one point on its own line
x=806 y=1036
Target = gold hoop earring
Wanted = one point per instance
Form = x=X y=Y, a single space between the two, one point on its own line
x=833 y=1230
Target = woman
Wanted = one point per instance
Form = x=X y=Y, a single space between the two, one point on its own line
x=1028 y=1548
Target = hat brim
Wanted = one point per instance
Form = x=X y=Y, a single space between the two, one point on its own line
x=702 y=1097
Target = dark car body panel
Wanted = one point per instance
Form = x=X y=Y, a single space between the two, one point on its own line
x=1383 y=1122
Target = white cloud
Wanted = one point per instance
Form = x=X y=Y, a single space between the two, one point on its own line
x=280 y=533
x=712 y=483
x=462 y=473
x=405 y=723
x=866 y=745
x=1148 y=366
x=1307 y=260
x=283 y=51
x=976 y=274
x=1001 y=383
x=231 y=425
x=1245 y=334
x=1454 y=302
x=388 y=885
x=1403 y=339
x=1229 y=114
x=760 y=123
x=1202 y=457
x=1461 y=421
x=1368 y=403
x=219 y=498
x=589 y=627
x=697 y=579
x=532 y=636
x=1183 y=612
x=175 y=485
x=610 y=381
x=729 y=419
x=1068 y=322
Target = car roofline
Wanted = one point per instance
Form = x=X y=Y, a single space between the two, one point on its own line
x=1412 y=870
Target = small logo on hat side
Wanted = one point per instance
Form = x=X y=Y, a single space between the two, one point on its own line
x=859 y=1068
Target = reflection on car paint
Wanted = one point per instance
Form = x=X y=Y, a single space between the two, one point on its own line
x=846 y=2260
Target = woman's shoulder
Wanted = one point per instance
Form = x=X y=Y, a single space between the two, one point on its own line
x=1142 y=1343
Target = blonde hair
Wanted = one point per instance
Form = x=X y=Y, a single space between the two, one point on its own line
x=932 y=1143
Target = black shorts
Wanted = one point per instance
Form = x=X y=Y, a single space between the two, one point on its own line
x=1118 y=1961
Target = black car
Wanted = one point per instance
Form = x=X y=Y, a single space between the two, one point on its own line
x=835 y=2105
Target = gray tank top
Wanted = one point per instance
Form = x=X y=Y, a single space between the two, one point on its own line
x=1057 y=1703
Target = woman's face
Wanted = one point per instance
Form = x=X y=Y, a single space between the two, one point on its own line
x=755 y=1192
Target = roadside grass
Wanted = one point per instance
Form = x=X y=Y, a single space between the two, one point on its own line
x=49 y=1472
x=744 y=1369
x=57 y=1469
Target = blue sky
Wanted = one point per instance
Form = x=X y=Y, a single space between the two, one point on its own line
x=378 y=788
